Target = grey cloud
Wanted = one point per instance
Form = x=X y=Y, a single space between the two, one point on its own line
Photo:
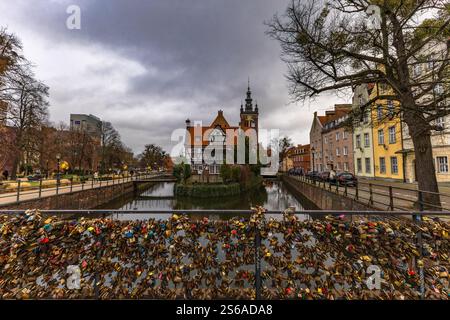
x=197 y=55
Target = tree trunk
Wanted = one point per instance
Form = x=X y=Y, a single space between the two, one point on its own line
x=426 y=173
x=14 y=169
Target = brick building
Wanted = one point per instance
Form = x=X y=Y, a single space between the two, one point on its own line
x=301 y=157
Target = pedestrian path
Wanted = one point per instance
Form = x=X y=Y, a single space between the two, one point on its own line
x=14 y=197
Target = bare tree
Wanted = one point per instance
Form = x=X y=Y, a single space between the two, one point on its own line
x=113 y=151
x=27 y=103
x=10 y=52
x=329 y=46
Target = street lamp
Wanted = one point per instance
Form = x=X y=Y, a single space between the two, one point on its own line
x=58 y=159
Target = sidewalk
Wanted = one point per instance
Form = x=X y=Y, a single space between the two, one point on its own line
x=444 y=187
x=11 y=197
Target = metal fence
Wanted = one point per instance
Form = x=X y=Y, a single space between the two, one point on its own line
x=256 y=254
x=383 y=197
x=26 y=193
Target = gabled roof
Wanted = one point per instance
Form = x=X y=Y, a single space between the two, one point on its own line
x=220 y=121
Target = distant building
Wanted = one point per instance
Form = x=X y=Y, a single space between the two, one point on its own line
x=89 y=123
x=287 y=162
x=331 y=141
x=387 y=135
x=338 y=140
x=363 y=141
x=301 y=158
x=440 y=139
x=215 y=135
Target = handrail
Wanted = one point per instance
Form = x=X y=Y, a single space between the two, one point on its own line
x=237 y=212
x=83 y=184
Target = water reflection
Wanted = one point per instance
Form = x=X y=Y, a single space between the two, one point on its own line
x=273 y=196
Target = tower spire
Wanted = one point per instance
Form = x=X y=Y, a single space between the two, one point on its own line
x=249 y=100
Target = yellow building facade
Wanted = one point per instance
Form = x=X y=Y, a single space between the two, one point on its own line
x=387 y=136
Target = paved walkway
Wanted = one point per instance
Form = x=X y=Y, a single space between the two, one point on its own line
x=404 y=196
x=11 y=197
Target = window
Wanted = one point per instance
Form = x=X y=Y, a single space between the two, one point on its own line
x=382 y=165
x=337 y=166
x=440 y=122
x=392 y=137
x=390 y=108
x=359 y=165
x=380 y=112
x=439 y=89
x=337 y=152
x=345 y=166
x=345 y=134
x=366 y=140
x=337 y=136
x=394 y=165
x=325 y=140
x=367 y=162
x=345 y=151
x=380 y=136
x=430 y=64
x=77 y=122
x=442 y=164
x=417 y=70
x=358 y=141
x=366 y=117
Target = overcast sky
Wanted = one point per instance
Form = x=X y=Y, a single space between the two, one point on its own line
x=147 y=66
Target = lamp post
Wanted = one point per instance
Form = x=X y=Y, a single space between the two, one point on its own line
x=58 y=159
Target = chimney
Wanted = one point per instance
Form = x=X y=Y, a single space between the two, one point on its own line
x=220 y=113
x=188 y=123
x=315 y=114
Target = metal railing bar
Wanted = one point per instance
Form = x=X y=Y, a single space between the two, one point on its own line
x=208 y=211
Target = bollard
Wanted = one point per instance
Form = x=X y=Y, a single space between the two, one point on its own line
x=391 y=199
x=18 y=190
x=357 y=192
x=40 y=188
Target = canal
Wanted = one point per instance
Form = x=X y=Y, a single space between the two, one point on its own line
x=274 y=195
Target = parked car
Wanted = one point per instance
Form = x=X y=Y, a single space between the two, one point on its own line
x=35 y=177
x=324 y=176
x=313 y=175
x=291 y=171
x=347 y=178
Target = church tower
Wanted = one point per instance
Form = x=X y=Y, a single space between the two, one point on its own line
x=249 y=114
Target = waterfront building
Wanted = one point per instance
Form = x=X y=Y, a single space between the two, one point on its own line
x=387 y=135
x=426 y=69
x=301 y=158
x=338 y=140
x=200 y=137
x=363 y=143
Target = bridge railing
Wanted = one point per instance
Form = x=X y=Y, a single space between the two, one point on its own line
x=254 y=254
x=384 y=197
x=23 y=191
